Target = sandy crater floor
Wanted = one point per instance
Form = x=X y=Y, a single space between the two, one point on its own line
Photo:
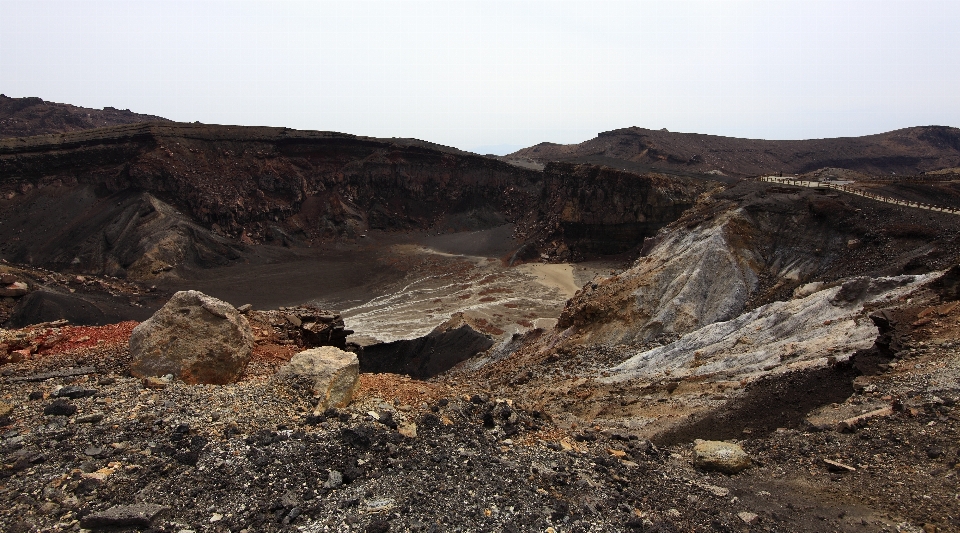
x=390 y=287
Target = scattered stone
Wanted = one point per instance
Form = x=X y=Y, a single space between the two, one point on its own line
x=154 y=382
x=333 y=374
x=60 y=408
x=5 y=408
x=294 y=320
x=245 y=308
x=93 y=451
x=65 y=373
x=195 y=337
x=720 y=456
x=408 y=430
x=74 y=392
x=380 y=505
x=92 y=418
x=14 y=290
x=851 y=424
x=748 y=518
x=334 y=480
x=837 y=466
x=137 y=515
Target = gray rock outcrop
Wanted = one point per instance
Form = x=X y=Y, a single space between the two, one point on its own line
x=331 y=372
x=195 y=337
x=779 y=337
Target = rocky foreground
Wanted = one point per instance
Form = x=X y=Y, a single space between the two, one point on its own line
x=87 y=446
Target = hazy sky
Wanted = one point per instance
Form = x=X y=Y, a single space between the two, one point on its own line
x=481 y=73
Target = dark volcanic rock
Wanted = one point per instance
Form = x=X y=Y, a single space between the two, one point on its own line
x=305 y=325
x=948 y=285
x=271 y=183
x=152 y=200
x=427 y=356
x=60 y=408
x=47 y=306
x=74 y=392
x=588 y=210
x=128 y=233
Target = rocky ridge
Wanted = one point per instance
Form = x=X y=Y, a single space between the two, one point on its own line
x=907 y=151
x=30 y=116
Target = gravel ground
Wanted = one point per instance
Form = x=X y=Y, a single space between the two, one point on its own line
x=408 y=455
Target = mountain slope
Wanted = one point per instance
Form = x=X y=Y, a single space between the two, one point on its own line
x=26 y=117
x=904 y=151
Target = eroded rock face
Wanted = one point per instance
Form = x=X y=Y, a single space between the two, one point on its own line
x=195 y=337
x=29 y=116
x=332 y=373
x=779 y=336
x=236 y=186
x=586 y=210
x=720 y=456
x=748 y=246
x=694 y=277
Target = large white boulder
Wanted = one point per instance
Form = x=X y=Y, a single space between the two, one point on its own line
x=331 y=372
x=721 y=456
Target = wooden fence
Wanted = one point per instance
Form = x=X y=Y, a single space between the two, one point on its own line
x=859 y=192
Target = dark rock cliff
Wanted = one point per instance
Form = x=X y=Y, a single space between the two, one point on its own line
x=142 y=199
x=237 y=179
x=588 y=210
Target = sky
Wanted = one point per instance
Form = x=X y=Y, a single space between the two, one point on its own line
x=494 y=76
